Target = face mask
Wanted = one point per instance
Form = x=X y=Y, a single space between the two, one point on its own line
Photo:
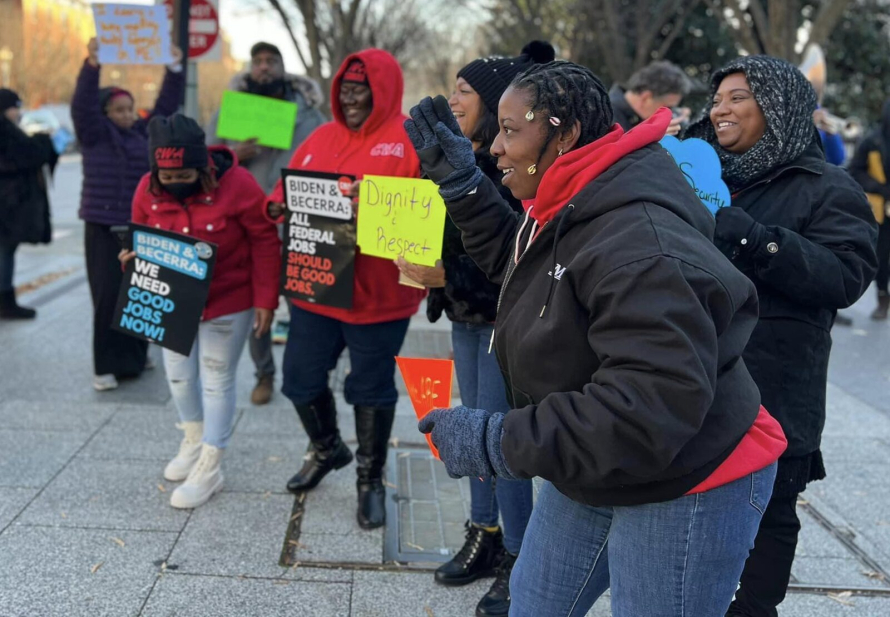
x=182 y=190
x=273 y=88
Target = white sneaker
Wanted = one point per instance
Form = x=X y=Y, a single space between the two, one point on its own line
x=104 y=382
x=189 y=450
x=203 y=482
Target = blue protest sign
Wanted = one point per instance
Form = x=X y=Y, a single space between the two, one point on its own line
x=701 y=166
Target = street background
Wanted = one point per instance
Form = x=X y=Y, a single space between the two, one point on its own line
x=86 y=527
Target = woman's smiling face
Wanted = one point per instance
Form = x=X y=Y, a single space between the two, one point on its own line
x=736 y=116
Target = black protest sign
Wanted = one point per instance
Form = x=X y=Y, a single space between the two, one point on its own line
x=165 y=288
x=319 y=252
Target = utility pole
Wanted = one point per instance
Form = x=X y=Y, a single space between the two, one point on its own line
x=181 y=18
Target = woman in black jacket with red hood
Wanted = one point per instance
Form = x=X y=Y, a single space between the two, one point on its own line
x=620 y=331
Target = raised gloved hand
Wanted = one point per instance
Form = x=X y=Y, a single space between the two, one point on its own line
x=445 y=154
x=469 y=441
x=737 y=233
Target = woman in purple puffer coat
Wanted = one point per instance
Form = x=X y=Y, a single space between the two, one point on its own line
x=115 y=157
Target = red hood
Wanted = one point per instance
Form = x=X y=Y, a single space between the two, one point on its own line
x=385 y=81
x=578 y=168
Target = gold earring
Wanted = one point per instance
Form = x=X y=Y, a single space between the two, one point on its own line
x=532 y=169
x=530 y=115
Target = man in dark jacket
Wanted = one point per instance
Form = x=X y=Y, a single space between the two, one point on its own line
x=24 y=203
x=267 y=77
x=660 y=84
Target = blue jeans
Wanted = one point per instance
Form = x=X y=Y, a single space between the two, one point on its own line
x=680 y=558
x=314 y=344
x=482 y=387
x=204 y=390
x=7 y=266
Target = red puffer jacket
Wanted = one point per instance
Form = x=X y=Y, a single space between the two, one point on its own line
x=381 y=147
x=249 y=250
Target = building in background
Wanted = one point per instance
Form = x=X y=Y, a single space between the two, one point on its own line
x=43 y=45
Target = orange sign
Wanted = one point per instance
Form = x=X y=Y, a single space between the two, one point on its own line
x=429 y=386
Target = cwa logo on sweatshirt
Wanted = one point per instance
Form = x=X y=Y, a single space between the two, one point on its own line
x=396 y=149
x=169 y=158
x=560 y=270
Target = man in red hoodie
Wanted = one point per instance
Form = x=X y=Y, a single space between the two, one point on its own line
x=366 y=137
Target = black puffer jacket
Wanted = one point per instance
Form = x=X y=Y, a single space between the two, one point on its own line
x=825 y=235
x=468 y=295
x=630 y=388
x=24 y=203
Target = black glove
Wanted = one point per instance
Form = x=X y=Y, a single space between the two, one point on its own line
x=737 y=233
x=446 y=156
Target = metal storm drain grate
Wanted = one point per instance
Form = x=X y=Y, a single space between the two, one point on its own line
x=426 y=509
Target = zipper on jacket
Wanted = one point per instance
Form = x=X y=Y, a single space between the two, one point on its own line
x=507 y=278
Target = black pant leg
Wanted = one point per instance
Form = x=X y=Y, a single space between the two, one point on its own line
x=883 y=275
x=768 y=569
x=113 y=352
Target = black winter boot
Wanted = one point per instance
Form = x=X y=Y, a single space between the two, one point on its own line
x=9 y=308
x=373 y=426
x=880 y=312
x=478 y=558
x=326 y=451
x=496 y=603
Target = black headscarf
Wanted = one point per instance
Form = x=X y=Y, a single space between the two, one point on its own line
x=787 y=101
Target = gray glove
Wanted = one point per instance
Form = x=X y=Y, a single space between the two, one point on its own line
x=446 y=156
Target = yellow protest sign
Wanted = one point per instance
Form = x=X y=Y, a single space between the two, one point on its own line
x=401 y=217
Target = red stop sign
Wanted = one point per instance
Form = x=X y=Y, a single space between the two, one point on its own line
x=203 y=26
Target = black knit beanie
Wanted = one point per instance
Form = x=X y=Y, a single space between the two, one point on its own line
x=489 y=77
x=8 y=100
x=176 y=142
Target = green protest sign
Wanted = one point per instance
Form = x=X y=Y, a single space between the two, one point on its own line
x=245 y=116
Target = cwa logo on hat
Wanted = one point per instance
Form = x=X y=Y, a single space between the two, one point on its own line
x=169 y=158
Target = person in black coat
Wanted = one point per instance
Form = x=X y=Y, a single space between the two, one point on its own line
x=461 y=289
x=24 y=202
x=802 y=230
x=870 y=167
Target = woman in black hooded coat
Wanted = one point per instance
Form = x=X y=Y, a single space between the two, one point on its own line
x=24 y=202
x=802 y=231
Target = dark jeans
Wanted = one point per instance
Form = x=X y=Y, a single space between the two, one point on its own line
x=883 y=275
x=7 y=266
x=314 y=344
x=768 y=569
x=113 y=352
x=261 y=354
x=482 y=387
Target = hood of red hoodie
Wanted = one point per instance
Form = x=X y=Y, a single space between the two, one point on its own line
x=576 y=169
x=386 y=83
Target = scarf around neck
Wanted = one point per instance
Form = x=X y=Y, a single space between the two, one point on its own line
x=787 y=101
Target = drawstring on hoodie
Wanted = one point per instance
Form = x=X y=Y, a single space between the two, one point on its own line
x=531 y=236
x=562 y=219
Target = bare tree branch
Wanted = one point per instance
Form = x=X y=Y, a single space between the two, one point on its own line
x=826 y=20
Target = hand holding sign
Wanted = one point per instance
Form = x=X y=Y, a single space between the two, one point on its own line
x=429 y=386
x=700 y=165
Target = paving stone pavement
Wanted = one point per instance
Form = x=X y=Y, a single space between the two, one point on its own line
x=86 y=528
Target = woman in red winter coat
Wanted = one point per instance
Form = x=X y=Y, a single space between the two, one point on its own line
x=366 y=137
x=206 y=195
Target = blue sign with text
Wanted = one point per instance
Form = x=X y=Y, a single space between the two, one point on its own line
x=701 y=166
